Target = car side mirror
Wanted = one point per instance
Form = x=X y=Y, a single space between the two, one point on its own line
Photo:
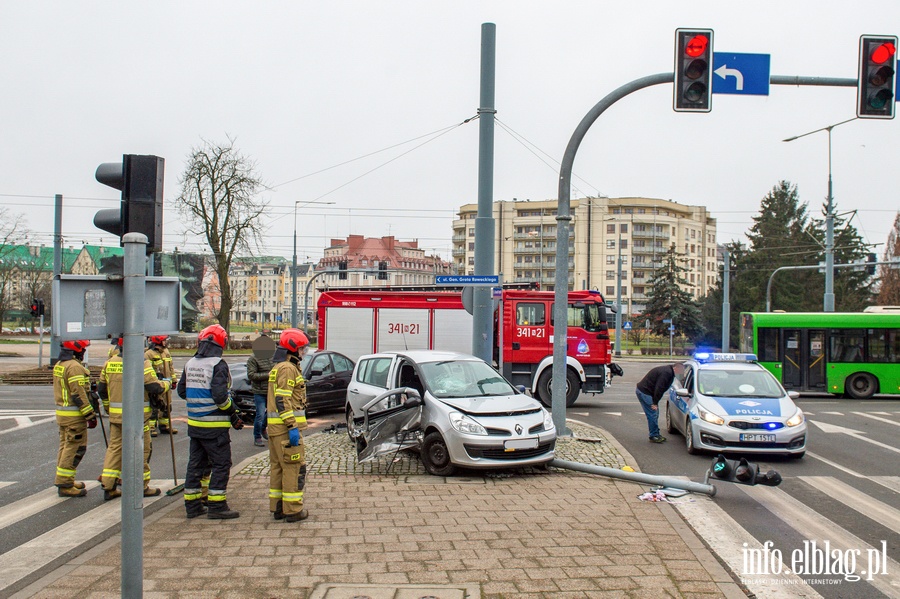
x=683 y=393
x=793 y=395
x=413 y=401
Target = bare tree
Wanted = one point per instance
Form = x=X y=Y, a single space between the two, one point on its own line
x=12 y=234
x=889 y=293
x=219 y=198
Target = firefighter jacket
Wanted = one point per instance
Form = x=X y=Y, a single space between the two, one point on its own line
x=162 y=362
x=205 y=384
x=71 y=386
x=286 y=399
x=110 y=387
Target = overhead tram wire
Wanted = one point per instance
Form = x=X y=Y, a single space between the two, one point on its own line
x=437 y=133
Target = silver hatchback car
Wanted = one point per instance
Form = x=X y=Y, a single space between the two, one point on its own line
x=455 y=409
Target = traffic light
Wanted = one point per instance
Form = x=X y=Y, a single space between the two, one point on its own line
x=693 y=70
x=742 y=472
x=140 y=179
x=871 y=259
x=382 y=271
x=877 y=77
x=37 y=307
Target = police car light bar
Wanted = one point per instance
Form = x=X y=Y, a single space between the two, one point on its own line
x=718 y=357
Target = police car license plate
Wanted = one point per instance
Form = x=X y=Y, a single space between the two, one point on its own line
x=757 y=438
x=520 y=444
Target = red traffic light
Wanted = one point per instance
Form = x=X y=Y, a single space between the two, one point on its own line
x=883 y=53
x=696 y=46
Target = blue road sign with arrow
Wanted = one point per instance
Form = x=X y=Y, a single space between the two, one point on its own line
x=746 y=74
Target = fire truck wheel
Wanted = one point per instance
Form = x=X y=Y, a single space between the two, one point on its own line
x=573 y=387
x=435 y=455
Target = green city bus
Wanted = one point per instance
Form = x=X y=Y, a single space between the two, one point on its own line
x=853 y=354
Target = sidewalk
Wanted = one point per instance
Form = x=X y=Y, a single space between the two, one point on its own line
x=402 y=533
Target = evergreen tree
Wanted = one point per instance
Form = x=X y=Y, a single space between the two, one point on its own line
x=668 y=299
x=852 y=287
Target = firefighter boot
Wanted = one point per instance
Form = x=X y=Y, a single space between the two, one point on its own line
x=151 y=492
x=111 y=494
x=194 y=508
x=220 y=511
x=72 y=491
x=78 y=485
x=301 y=515
x=279 y=513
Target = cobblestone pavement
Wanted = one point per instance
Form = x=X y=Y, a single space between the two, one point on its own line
x=387 y=529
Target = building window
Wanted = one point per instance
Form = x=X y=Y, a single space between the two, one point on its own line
x=472 y=232
x=610 y=290
x=610 y=229
x=610 y=275
x=610 y=244
x=623 y=244
x=623 y=228
x=610 y=259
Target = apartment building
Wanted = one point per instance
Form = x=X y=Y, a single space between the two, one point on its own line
x=602 y=232
x=359 y=261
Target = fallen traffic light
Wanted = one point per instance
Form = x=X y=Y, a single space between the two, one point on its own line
x=693 y=70
x=742 y=472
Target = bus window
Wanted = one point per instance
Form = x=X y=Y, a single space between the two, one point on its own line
x=847 y=345
x=746 y=340
x=878 y=345
x=894 y=345
x=769 y=345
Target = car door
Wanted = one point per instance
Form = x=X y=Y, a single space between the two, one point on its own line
x=321 y=390
x=679 y=405
x=390 y=422
x=370 y=379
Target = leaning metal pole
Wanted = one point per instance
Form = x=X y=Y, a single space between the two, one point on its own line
x=133 y=416
x=563 y=217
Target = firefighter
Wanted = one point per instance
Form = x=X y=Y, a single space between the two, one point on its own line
x=286 y=416
x=110 y=390
x=204 y=383
x=74 y=414
x=161 y=409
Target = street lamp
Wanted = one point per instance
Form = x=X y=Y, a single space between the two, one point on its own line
x=829 y=221
x=294 y=265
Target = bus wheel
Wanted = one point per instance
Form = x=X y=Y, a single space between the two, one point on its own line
x=861 y=385
x=573 y=387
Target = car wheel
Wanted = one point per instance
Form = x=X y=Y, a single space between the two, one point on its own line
x=689 y=437
x=670 y=426
x=435 y=455
x=544 y=394
x=861 y=385
x=350 y=424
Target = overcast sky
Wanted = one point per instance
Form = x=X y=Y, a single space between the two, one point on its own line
x=306 y=86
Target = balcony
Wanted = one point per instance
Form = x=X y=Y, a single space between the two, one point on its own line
x=650 y=234
x=458 y=252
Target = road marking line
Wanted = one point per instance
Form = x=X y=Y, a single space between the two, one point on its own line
x=856 y=500
x=6 y=483
x=890 y=482
x=835 y=465
x=613 y=413
x=31 y=505
x=834 y=413
x=813 y=526
x=29 y=423
x=29 y=557
x=894 y=422
x=832 y=428
x=726 y=538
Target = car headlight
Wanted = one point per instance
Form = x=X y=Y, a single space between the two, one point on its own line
x=796 y=419
x=709 y=416
x=466 y=425
x=548 y=421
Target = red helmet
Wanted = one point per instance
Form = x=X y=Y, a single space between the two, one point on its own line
x=214 y=333
x=158 y=339
x=76 y=346
x=117 y=341
x=293 y=340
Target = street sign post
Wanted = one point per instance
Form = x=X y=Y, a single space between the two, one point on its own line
x=744 y=74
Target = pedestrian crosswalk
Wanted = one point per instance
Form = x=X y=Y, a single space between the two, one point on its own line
x=828 y=549
x=12 y=420
x=38 y=553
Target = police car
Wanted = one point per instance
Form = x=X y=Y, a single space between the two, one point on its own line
x=729 y=402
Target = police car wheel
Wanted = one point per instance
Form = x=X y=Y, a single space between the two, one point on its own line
x=670 y=426
x=689 y=437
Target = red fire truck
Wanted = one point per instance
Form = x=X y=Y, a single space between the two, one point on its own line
x=362 y=322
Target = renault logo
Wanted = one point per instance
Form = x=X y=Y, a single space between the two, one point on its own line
x=518 y=429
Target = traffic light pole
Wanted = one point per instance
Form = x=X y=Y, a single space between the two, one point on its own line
x=563 y=212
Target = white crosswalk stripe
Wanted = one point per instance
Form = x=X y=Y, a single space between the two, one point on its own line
x=29 y=506
x=25 y=418
x=856 y=500
x=891 y=482
x=873 y=417
x=37 y=553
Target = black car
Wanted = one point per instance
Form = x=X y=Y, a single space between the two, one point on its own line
x=327 y=374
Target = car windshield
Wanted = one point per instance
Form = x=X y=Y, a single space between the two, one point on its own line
x=738 y=383
x=463 y=378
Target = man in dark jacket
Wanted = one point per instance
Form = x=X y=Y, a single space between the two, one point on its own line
x=258 y=367
x=211 y=413
x=650 y=390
